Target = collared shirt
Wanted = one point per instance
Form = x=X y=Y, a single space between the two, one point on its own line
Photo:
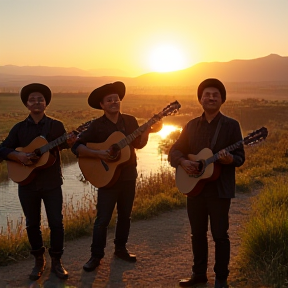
x=198 y=134
x=101 y=128
x=23 y=133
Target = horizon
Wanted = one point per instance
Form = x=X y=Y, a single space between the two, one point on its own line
x=110 y=73
x=138 y=37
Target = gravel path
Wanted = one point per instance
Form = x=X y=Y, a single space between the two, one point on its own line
x=163 y=248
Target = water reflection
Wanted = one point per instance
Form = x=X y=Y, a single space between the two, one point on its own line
x=150 y=159
x=166 y=130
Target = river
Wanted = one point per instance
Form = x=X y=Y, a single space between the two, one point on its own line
x=149 y=160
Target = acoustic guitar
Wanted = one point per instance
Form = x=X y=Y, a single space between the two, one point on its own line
x=102 y=173
x=38 y=150
x=192 y=185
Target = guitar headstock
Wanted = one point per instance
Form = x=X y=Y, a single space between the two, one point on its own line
x=80 y=129
x=256 y=137
x=171 y=109
x=84 y=126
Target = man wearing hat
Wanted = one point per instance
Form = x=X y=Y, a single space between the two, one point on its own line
x=46 y=185
x=215 y=131
x=121 y=192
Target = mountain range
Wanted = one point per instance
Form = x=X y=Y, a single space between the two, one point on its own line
x=271 y=68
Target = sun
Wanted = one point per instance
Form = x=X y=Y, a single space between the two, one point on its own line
x=166 y=58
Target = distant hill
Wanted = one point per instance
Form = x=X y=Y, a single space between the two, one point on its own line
x=272 y=68
x=43 y=71
x=59 y=71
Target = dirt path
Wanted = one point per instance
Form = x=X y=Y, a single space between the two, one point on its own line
x=163 y=249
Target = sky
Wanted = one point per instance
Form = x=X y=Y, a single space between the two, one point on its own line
x=140 y=36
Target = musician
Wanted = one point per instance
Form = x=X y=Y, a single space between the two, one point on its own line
x=46 y=185
x=108 y=98
x=213 y=202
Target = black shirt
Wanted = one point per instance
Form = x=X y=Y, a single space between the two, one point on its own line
x=23 y=133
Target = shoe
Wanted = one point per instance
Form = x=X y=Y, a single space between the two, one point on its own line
x=125 y=255
x=40 y=263
x=195 y=279
x=221 y=284
x=58 y=269
x=92 y=264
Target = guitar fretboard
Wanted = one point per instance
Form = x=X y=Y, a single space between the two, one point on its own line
x=215 y=157
x=54 y=143
x=63 y=138
x=253 y=138
x=126 y=141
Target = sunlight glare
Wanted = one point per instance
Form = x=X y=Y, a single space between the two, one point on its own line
x=167 y=58
x=166 y=130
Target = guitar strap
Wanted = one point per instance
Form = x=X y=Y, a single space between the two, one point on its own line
x=216 y=133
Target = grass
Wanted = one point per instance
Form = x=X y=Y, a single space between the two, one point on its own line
x=264 y=249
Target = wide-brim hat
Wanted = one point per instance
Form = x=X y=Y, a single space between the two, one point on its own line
x=99 y=93
x=35 y=87
x=212 y=82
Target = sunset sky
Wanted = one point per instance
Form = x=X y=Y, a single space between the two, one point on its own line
x=139 y=36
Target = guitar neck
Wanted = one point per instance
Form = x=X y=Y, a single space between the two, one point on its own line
x=62 y=139
x=126 y=141
x=215 y=157
x=53 y=143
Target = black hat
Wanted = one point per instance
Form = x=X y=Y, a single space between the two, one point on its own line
x=99 y=93
x=35 y=87
x=212 y=82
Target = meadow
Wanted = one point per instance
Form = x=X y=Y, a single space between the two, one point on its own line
x=264 y=251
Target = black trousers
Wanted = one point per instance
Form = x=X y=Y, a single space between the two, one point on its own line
x=31 y=204
x=121 y=195
x=200 y=210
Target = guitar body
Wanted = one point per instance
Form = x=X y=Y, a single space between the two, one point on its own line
x=24 y=174
x=190 y=185
x=95 y=172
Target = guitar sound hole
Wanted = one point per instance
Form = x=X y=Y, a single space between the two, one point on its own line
x=37 y=152
x=34 y=157
x=201 y=169
x=114 y=152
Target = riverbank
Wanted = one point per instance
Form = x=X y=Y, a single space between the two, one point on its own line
x=163 y=249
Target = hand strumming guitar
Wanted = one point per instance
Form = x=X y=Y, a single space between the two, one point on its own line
x=190 y=167
x=23 y=158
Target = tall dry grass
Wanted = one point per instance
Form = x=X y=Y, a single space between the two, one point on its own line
x=264 y=247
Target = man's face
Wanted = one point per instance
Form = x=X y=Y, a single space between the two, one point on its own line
x=211 y=100
x=111 y=103
x=36 y=103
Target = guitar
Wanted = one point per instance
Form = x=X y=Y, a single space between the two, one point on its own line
x=191 y=185
x=102 y=173
x=38 y=150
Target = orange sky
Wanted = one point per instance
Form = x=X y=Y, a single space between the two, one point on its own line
x=139 y=36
